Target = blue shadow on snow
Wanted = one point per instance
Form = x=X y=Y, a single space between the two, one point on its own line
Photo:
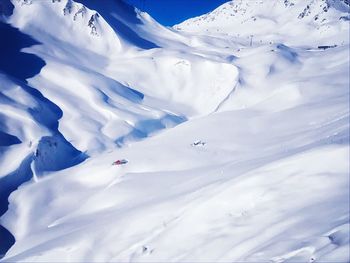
x=106 y=10
x=13 y=62
x=53 y=152
x=145 y=128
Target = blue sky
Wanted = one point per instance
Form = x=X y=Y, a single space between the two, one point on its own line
x=171 y=12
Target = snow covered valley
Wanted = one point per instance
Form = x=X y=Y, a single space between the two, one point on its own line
x=234 y=127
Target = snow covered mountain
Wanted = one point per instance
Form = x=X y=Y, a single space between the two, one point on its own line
x=234 y=125
x=292 y=21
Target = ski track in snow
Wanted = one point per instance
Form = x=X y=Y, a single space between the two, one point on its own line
x=268 y=180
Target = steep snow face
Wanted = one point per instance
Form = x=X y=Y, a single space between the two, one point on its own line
x=65 y=21
x=322 y=22
x=118 y=84
x=254 y=168
x=269 y=184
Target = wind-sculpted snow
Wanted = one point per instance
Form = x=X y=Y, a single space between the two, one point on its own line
x=106 y=83
x=11 y=57
x=122 y=18
x=235 y=149
x=21 y=105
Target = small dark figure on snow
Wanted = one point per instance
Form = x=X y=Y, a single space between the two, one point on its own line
x=120 y=162
x=198 y=143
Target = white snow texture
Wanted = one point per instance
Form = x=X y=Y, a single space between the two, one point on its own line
x=234 y=125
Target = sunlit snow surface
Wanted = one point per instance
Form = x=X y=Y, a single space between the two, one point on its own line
x=237 y=140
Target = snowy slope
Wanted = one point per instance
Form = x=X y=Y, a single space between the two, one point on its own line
x=324 y=22
x=269 y=179
x=120 y=110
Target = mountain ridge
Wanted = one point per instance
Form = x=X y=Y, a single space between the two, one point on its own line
x=231 y=147
x=287 y=19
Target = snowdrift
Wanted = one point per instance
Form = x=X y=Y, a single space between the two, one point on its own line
x=234 y=125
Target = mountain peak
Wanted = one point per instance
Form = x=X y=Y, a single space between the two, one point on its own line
x=274 y=20
x=71 y=21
